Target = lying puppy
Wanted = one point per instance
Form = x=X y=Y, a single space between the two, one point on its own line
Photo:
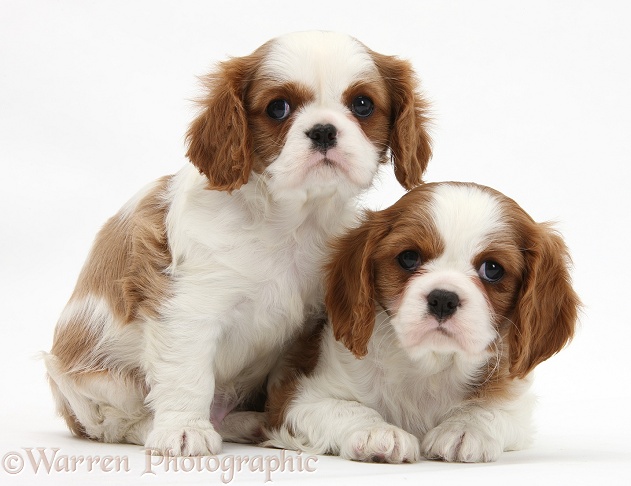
x=193 y=289
x=443 y=304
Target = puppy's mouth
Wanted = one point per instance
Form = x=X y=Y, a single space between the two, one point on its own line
x=440 y=329
x=433 y=329
x=431 y=335
x=332 y=164
x=328 y=160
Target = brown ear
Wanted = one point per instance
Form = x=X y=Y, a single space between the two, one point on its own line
x=219 y=142
x=410 y=143
x=350 y=291
x=547 y=307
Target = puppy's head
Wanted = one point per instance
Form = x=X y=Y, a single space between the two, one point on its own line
x=310 y=110
x=459 y=268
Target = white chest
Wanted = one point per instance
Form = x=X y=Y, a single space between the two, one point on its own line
x=256 y=296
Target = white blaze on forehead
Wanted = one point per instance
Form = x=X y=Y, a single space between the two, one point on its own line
x=467 y=218
x=327 y=62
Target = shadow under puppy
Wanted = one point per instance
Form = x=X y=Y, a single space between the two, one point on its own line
x=439 y=309
x=192 y=290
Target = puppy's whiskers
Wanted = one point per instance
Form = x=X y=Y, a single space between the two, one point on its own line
x=493 y=362
x=386 y=332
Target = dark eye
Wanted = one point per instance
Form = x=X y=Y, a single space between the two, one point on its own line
x=278 y=109
x=491 y=271
x=362 y=106
x=409 y=260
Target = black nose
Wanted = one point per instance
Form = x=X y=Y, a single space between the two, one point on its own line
x=442 y=303
x=323 y=136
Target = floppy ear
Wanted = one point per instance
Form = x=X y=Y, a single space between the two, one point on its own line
x=219 y=141
x=350 y=288
x=547 y=306
x=410 y=143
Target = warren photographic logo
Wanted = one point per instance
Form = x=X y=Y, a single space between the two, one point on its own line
x=52 y=460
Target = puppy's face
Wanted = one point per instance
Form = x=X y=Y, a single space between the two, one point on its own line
x=457 y=264
x=311 y=112
x=460 y=269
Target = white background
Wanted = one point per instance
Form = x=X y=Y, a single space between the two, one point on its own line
x=531 y=98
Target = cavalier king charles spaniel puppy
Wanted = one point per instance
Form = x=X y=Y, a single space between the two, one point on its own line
x=193 y=290
x=439 y=309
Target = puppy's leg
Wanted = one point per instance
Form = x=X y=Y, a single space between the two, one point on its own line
x=346 y=428
x=180 y=372
x=480 y=434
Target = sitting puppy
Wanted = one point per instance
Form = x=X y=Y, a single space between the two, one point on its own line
x=193 y=289
x=443 y=304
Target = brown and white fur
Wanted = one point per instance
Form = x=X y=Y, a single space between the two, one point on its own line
x=439 y=309
x=192 y=290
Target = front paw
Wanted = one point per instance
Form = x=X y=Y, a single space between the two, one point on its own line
x=460 y=442
x=199 y=439
x=382 y=443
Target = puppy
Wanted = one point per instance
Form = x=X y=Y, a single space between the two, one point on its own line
x=440 y=307
x=193 y=289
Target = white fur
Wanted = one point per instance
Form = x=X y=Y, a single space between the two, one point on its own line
x=408 y=396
